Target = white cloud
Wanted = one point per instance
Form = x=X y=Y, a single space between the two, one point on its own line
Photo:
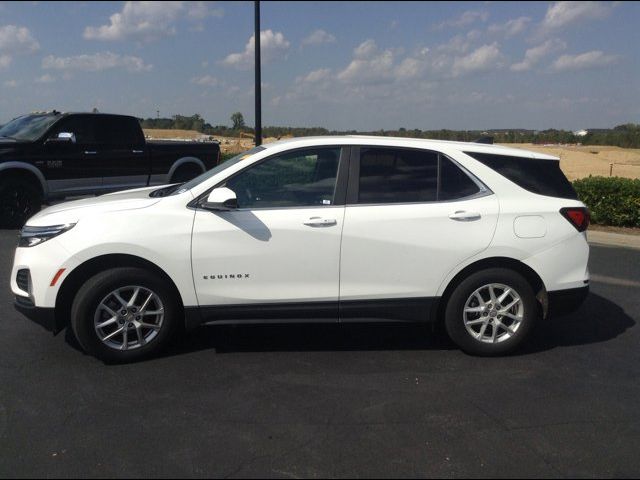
x=315 y=76
x=5 y=61
x=200 y=11
x=562 y=14
x=592 y=59
x=318 y=37
x=15 y=40
x=464 y=20
x=46 y=78
x=533 y=55
x=370 y=65
x=96 y=62
x=10 y=83
x=483 y=58
x=512 y=27
x=273 y=46
x=206 y=81
x=150 y=21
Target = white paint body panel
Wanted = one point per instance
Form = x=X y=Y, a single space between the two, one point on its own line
x=390 y=251
x=286 y=260
x=406 y=250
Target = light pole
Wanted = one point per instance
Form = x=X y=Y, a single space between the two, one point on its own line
x=258 y=94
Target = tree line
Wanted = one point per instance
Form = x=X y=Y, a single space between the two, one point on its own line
x=626 y=136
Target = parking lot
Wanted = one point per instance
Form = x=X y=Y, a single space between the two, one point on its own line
x=332 y=400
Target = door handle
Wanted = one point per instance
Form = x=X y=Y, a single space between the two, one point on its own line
x=90 y=152
x=320 y=222
x=464 y=216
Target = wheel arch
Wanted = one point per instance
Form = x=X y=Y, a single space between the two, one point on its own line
x=75 y=279
x=25 y=170
x=185 y=161
x=526 y=271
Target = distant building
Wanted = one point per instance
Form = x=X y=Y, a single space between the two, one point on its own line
x=580 y=133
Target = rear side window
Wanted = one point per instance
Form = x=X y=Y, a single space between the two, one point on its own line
x=543 y=177
x=389 y=175
x=119 y=132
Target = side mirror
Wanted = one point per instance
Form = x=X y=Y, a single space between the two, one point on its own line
x=221 y=199
x=63 y=137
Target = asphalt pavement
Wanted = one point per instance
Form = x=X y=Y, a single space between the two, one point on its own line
x=332 y=400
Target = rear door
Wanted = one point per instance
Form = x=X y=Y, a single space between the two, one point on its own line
x=122 y=152
x=412 y=215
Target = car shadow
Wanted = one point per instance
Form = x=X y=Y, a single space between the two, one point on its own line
x=598 y=320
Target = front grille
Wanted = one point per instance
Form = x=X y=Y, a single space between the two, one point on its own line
x=23 y=279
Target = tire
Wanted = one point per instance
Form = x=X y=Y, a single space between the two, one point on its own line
x=185 y=173
x=486 y=330
x=20 y=199
x=95 y=304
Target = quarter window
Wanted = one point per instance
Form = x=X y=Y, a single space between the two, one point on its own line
x=297 y=179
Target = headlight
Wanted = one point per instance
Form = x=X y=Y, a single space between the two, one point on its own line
x=32 y=236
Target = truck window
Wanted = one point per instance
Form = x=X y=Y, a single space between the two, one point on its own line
x=119 y=132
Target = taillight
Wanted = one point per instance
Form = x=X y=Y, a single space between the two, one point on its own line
x=578 y=217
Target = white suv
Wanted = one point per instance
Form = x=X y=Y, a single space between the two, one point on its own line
x=484 y=238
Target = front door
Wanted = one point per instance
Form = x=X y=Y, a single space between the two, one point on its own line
x=279 y=252
x=73 y=167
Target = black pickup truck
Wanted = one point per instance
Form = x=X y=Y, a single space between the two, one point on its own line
x=46 y=156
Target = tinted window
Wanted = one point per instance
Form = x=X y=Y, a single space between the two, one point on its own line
x=393 y=176
x=81 y=126
x=404 y=176
x=297 y=179
x=543 y=177
x=454 y=183
x=119 y=132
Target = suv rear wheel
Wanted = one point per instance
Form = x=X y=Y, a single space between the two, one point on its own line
x=491 y=312
x=124 y=314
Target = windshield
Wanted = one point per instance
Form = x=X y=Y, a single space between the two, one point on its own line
x=28 y=127
x=216 y=170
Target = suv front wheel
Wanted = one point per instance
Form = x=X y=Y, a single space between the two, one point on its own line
x=491 y=312
x=124 y=314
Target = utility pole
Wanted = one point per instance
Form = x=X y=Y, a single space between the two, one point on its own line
x=258 y=88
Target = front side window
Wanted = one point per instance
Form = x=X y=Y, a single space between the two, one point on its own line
x=81 y=126
x=296 y=179
x=389 y=175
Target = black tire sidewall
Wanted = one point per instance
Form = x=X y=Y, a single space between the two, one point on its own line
x=93 y=292
x=13 y=184
x=186 y=173
x=454 y=311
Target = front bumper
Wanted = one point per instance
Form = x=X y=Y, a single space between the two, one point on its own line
x=563 y=302
x=45 y=317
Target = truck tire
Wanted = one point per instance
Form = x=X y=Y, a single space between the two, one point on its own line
x=20 y=199
x=185 y=173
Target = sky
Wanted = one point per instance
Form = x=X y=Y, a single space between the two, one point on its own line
x=338 y=65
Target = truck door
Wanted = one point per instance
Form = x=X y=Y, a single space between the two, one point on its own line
x=122 y=152
x=71 y=167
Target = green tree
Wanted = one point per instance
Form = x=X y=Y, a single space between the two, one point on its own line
x=238 y=121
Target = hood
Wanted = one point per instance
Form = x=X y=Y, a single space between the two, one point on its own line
x=71 y=212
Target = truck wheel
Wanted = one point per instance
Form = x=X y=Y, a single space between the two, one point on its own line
x=125 y=314
x=491 y=312
x=19 y=200
x=185 y=173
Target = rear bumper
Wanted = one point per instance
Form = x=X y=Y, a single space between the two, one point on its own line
x=45 y=317
x=563 y=302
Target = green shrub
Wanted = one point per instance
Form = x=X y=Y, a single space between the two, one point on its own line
x=612 y=200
